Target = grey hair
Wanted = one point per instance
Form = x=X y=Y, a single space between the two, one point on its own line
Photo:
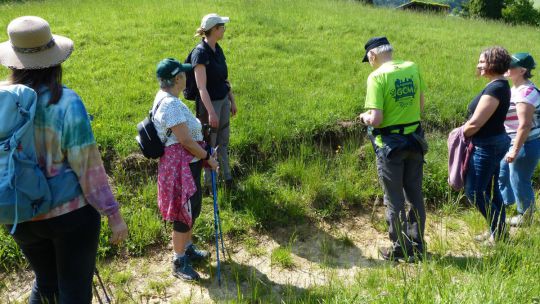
x=166 y=83
x=386 y=48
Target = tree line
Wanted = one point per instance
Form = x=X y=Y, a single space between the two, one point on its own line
x=510 y=11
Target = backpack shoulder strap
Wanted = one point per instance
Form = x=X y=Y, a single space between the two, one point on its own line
x=157 y=105
x=169 y=131
x=27 y=114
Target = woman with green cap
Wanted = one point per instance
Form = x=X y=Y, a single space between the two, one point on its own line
x=523 y=126
x=179 y=171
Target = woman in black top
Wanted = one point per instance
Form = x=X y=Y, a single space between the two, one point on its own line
x=485 y=126
x=215 y=103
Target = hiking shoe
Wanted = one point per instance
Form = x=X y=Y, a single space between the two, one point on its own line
x=207 y=190
x=391 y=254
x=182 y=269
x=229 y=184
x=482 y=237
x=521 y=219
x=196 y=254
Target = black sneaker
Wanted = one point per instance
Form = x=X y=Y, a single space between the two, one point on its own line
x=229 y=184
x=182 y=269
x=196 y=254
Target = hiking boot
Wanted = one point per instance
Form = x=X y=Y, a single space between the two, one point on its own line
x=196 y=254
x=229 y=184
x=207 y=190
x=182 y=269
x=482 y=237
x=392 y=254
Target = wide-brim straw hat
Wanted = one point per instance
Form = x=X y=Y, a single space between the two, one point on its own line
x=31 y=45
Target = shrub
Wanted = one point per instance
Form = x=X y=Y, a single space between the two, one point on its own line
x=521 y=12
x=489 y=9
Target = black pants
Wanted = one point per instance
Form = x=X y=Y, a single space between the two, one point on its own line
x=62 y=252
x=195 y=200
x=401 y=178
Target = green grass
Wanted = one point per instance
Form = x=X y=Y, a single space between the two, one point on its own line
x=281 y=256
x=296 y=71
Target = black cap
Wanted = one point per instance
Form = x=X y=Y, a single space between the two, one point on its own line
x=373 y=43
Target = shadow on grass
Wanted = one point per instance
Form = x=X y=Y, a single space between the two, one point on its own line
x=247 y=284
x=318 y=246
x=289 y=224
x=464 y=263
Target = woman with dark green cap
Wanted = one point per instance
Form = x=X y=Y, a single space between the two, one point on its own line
x=523 y=126
x=179 y=171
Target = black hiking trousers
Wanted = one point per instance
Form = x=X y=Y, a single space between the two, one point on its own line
x=62 y=252
x=400 y=175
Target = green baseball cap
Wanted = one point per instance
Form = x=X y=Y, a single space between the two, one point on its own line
x=524 y=60
x=169 y=67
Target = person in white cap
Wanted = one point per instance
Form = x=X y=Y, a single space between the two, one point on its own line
x=61 y=244
x=215 y=102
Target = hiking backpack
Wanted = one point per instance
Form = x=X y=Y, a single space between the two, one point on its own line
x=25 y=191
x=191 y=92
x=149 y=142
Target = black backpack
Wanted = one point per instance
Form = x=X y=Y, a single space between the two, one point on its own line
x=149 y=142
x=191 y=92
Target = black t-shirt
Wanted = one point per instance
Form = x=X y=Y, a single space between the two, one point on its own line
x=216 y=69
x=499 y=89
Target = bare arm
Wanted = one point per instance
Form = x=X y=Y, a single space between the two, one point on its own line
x=485 y=109
x=232 y=100
x=525 y=112
x=372 y=117
x=181 y=132
x=200 y=78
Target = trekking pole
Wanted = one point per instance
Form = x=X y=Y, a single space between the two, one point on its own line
x=97 y=293
x=107 y=299
x=216 y=224
x=220 y=231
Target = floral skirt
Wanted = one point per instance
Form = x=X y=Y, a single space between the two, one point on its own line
x=175 y=184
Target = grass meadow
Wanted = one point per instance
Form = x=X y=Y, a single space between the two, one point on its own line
x=296 y=71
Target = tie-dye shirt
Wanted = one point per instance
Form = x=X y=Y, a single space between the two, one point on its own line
x=64 y=139
x=526 y=93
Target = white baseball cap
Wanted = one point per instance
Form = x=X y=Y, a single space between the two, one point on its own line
x=211 y=20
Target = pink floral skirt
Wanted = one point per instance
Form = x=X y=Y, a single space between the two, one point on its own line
x=175 y=184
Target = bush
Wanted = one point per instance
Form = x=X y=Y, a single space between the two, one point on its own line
x=489 y=9
x=521 y=12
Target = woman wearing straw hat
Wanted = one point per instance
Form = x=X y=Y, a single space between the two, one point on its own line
x=215 y=103
x=179 y=171
x=60 y=245
x=523 y=126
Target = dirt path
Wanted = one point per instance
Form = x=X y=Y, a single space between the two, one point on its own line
x=320 y=252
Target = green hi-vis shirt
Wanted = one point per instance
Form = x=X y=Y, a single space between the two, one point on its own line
x=394 y=88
